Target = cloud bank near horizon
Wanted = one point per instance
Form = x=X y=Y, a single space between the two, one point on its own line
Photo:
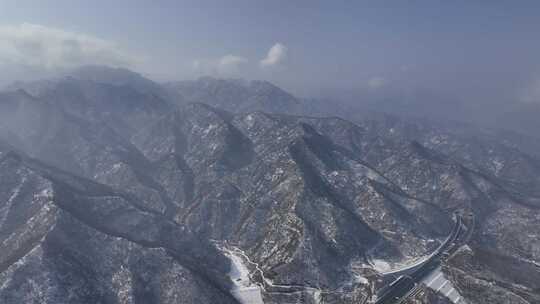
x=38 y=46
x=31 y=51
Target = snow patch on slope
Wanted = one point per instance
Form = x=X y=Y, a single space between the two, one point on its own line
x=381 y=265
x=4 y=211
x=244 y=290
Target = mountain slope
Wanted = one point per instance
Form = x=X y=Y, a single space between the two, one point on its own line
x=67 y=239
x=123 y=200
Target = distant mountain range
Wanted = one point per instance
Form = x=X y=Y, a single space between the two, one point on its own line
x=117 y=189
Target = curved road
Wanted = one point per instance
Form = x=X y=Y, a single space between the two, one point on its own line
x=405 y=285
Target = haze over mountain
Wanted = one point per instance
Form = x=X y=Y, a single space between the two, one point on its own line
x=119 y=190
x=464 y=52
x=269 y=152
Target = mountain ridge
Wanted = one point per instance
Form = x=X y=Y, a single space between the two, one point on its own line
x=310 y=201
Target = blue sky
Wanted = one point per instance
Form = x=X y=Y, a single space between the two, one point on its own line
x=465 y=47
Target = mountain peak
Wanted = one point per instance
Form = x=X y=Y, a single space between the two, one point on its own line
x=100 y=73
x=236 y=95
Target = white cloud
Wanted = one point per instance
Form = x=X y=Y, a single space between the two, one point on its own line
x=406 y=67
x=531 y=94
x=51 y=48
x=376 y=82
x=196 y=64
x=230 y=64
x=276 y=56
x=227 y=65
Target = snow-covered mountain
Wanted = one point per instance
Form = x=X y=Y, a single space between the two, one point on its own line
x=112 y=191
